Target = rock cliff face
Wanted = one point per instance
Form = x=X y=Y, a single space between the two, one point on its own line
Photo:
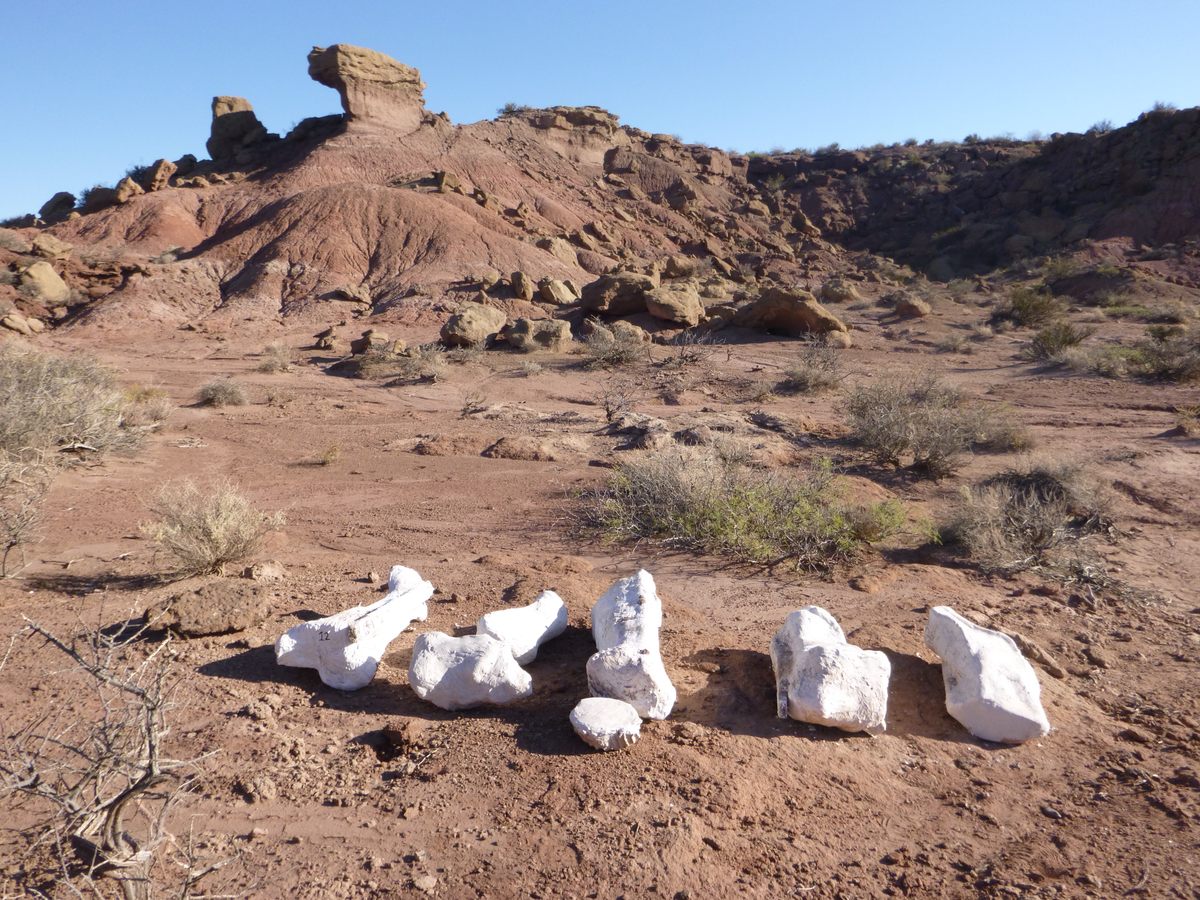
x=394 y=205
x=373 y=87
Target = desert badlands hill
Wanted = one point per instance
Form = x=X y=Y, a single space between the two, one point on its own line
x=542 y=353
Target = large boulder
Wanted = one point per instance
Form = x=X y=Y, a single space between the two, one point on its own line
x=372 y=87
x=218 y=607
x=618 y=294
x=42 y=283
x=839 y=290
x=523 y=286
x=551 y=290
x=530 y=335
x=794 y=313
x=127 y=189
x=48 y=246
x=234 y=127
x=677 y=303
x=473 y=325
x=158 y=176
x=910 y=307
x=57 y=208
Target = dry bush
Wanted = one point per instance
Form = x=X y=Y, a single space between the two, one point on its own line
x=223 y=392
x=426 y=363
x=275 y=358
x=691 y=347
x=1056 y=337
x=929 y=421
x=604 y=350
x=93 y=776
x=1172 y=356
x=529 y=368
x=23 y=486
x=202 y=531
x=1187 y=420
x=49 y=402
x=146 y=407
x=1027 y=307
x=1012 y=520
x=330 y=455
x=703 y=503
x=818 y=367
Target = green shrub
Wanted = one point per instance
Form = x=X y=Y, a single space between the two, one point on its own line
x=1010 y=521
x=202 y=531
x=703 y=503
x=1028 y=308
x=1056 y=337
x=929 y=422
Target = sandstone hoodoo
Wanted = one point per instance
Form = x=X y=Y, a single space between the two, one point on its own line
x=373 y=88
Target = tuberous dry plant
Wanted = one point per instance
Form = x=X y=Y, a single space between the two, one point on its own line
x=94 y=778
x=23 y=487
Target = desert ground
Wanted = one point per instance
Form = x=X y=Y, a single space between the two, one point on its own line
x=474 y=474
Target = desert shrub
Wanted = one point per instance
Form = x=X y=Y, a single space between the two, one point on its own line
x=275 y=358
x=23 y=486
x=512 y=109
x=954 y=343
x=1012 y=520
x=1167 y=356
x=529 y=368
x=929 y=421
x=1056 y=337
x=1028 y=308
x=604 y=350
x=1187 y=420
x=49 y=401
x=330 y=455
x=818 y=367
x=703 y=503
x=145 y=407
x=222 y=392
x=424 y=363
x=461 y=356
x=203 y=530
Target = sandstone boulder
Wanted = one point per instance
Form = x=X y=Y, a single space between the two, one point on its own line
x=531 y=335
x=618 y=294
x=218 y=607
x=57 y=208
x=677 y=303
x=794 y=313
x=839 y=290
x=373 y=87
x=159 y=175
x=48 y=246
x=127 y=189
x=14 y=321
x=523 y=286
x=370 y=340
x=474 y=325
x=43 y=284
x=234 y=128
x=551 y=290
x=910 y=307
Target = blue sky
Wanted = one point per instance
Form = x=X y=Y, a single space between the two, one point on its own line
x=93 y=87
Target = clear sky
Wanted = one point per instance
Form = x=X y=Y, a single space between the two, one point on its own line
x=93 y=87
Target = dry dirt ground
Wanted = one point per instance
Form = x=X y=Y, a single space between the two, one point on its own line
x=722 y=798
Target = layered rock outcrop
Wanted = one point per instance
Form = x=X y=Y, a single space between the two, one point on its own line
x=373 y=87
